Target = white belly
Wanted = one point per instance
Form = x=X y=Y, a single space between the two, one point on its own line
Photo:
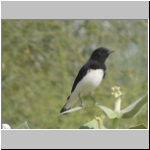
x=88 y=84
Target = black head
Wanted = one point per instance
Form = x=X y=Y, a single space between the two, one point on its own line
x=100 y=54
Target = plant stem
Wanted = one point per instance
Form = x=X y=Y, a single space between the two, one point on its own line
x=100 y=121
x=118 y=105
x=99 y=124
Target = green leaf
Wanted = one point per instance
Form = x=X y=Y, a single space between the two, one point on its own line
x=109 y=113
x=23 y=126
x=140 y=126
x=134 y=109
x=91 y=125
x=94 y=124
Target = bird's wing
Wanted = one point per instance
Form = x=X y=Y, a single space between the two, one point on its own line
x=81 y=74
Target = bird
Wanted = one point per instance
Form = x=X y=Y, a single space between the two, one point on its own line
x=88 y=78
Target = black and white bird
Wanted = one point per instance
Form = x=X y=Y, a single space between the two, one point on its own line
x=89 y=77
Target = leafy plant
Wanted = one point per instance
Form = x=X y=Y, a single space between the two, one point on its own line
x=23 y=126
x=115 y=115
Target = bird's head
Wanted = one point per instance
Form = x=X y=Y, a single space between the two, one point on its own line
x=100 y=54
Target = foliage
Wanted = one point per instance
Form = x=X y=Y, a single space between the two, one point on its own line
x=115 y=115
x=23 y=126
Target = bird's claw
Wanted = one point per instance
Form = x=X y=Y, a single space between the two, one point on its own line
x=82 y=105
x=96 y=103
x=87 y=105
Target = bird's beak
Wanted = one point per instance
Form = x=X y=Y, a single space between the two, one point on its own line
x=110 y=51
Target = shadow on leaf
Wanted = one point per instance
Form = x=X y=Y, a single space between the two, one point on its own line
x=140 y=126
x=85 y=127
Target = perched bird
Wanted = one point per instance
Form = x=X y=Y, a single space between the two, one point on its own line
x=88 y=78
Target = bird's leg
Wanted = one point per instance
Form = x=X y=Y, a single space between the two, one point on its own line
x=93 y=98
x=81 y=101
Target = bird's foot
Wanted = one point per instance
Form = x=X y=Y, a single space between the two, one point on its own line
x=82 y=105
x=87 y=105
x=97 y=103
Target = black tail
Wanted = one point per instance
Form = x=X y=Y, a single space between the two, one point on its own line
x=64 y=109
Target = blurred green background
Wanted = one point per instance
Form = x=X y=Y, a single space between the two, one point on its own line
x=41 y=58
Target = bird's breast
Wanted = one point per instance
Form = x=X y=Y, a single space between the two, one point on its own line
x=90 y=81
x=93 y=77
